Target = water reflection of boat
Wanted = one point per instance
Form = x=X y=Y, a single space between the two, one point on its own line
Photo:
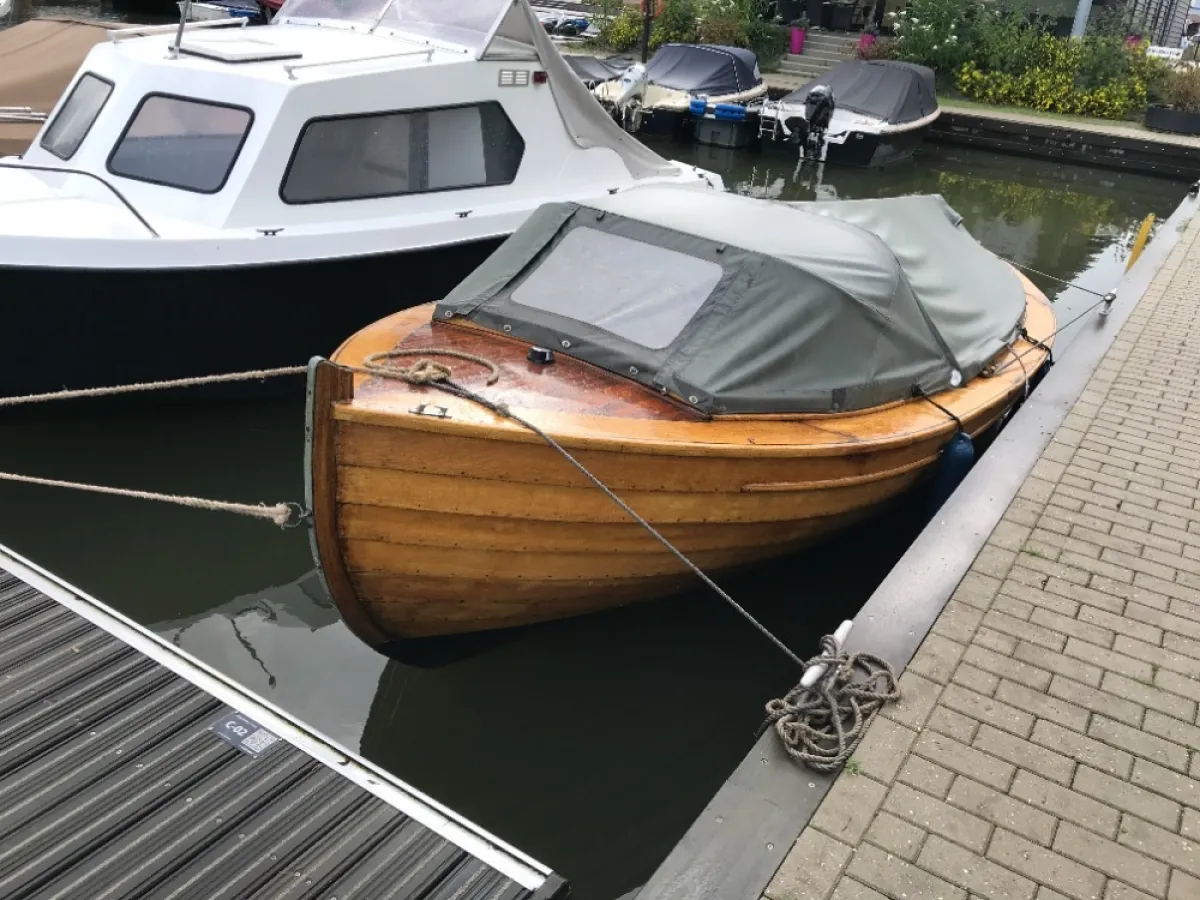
x=282 y=642
x=747 y=375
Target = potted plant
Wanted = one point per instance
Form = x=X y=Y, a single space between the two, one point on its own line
x=1181 y=112
x=799 y=29
x=869 y=36
x=841 y=14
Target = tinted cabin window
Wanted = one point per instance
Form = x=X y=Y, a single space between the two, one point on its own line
x=412 y=152
x=75 y=119
x=188 y=144
x=638 y=291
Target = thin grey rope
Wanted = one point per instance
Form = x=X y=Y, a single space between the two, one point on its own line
x=1051 y=277
x=821 y=726
x=440 y=379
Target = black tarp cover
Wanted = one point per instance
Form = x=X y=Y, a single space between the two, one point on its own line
x=704 y=69
x=740 y=305
x=592 y=70
x=897 y=92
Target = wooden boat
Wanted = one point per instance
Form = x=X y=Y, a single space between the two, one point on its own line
x=433 y=515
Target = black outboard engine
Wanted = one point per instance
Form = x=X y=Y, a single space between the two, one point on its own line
x=818 y=110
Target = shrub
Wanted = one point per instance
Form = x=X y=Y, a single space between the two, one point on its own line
x=623 y=31
x=1182 y=89
x=724 y=30
x=677 y=25
x=883 y=48
x=768 y=41
x=1003 y=41
x=931 y=32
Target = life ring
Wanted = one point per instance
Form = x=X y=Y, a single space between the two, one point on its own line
x=656 y=11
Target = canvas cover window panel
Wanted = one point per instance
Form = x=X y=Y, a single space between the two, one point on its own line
x=637 y=291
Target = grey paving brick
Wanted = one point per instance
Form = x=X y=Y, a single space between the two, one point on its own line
x=1065 y=710
x=1115 y=792
x=1172 y=729
x=968 y=676
x=953 y=724
x=811 y=868
x=985 y=709
x=1149 y=695
x=1010 y=606
x=1096 y=700
x=1015 y=670
x=937 y=658
x=883 y=749
x=994 y=640
x=975 y=873
x=938 y=817
x=1093 y=634
x=1113 y=623
x=1113 y=859
x=1001 y=809
x=896 y=836
x=896 y=878
x=1147 y=746
x=917 y=698
x=964 y=760
x=1183 y=886
x=1024 y=754
x=1052 y=661
x=847 y=809
x=1046 y=867
x=1034 y=593
x=1184 y=645
x=958 y=621
x=1157 y=656
x=1115 y=890
x=1083 y=749
x=1190 y=827
x=926 y=776
x=1160 y=844
x=1163 y=621
x=1108 y=659
x=1066 y=804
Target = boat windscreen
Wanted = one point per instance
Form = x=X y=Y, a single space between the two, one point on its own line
x=464 y=22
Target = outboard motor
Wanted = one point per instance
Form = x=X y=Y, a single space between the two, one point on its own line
x=627 y=104
x=818 y=111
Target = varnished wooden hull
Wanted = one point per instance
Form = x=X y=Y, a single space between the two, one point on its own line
x=427 y=526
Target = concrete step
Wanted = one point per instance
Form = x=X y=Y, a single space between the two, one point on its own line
x=830 y=56
x=831 y=37
x=803 y=71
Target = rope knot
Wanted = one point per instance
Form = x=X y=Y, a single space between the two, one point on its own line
x=822 y=725
x=424 y=371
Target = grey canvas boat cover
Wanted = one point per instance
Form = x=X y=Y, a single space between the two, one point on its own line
x=593 y=71
x=739 y=305
x=897 y=92
x=704 y=69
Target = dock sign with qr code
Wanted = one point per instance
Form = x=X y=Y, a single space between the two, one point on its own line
x=244 y=733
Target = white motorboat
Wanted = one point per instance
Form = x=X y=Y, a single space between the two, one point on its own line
x=661 y=97
x=208 y=198
x=860 y=113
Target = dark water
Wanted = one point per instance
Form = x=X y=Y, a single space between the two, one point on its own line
x=591 y=744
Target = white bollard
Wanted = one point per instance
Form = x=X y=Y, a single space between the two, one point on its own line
x=813 y=673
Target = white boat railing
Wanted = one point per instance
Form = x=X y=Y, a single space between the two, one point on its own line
x=121 y=34
x=28 y=167
x=21 y=114
x=292 y=68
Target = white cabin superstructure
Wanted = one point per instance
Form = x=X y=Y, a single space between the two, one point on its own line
x=345 y=130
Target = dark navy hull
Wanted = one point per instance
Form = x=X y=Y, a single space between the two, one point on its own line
x=78 y=328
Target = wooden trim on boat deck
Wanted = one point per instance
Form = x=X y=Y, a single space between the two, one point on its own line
x=329 y=384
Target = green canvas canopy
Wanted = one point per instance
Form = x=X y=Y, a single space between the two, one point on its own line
x=738 y=305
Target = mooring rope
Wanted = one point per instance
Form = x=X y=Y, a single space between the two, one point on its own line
x=1051 y=277
x=1036 y=344
x=821 y=726
x=137 y=387
x=282 y=514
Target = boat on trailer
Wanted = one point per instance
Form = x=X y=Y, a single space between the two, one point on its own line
x=860 y=113
x=668 y=94
x=747 y=375
x=226 y=198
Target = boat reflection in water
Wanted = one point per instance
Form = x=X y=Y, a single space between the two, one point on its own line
x=267 y=640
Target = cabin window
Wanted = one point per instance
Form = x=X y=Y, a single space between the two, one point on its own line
x=395 y=153
x=77 y=115
x=640 y=292
x=181 y=143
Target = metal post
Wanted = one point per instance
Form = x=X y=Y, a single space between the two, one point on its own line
x=1082 y=11
x=647 y=22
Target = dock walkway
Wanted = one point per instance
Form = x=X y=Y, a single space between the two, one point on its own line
x=129 y=770
x=1047 y=745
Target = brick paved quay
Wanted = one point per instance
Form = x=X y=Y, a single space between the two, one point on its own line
x=1048 y=746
